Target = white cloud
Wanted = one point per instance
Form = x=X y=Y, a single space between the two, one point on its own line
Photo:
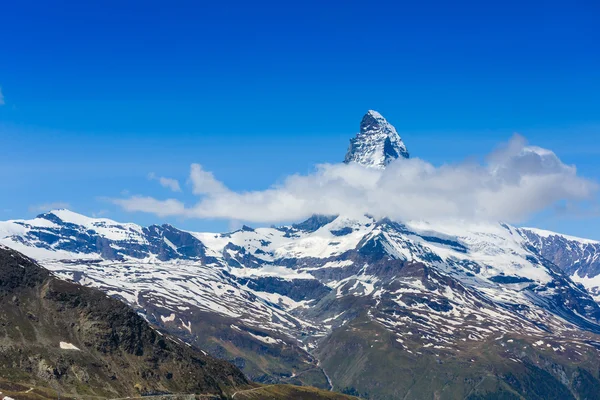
x=49 y=206
x=162 y=208
x=1 y=97
x=204 y=182
x=168 y=183
x=513 y=183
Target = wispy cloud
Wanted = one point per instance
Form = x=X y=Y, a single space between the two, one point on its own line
x=162 y=208
x=1 y=97
x=514 y=182
x=169 y=183
x=49 y=206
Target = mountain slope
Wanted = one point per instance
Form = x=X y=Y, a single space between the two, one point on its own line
x=59 y=337
x=579 y=258
x=82 y=342
x=365 y=359
x=174 y=280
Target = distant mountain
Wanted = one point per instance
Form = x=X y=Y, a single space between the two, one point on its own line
x=579 y=258
x=372 y=307
x=377 y=144
x=62 y=233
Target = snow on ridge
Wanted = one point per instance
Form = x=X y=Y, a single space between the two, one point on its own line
x=79 y=219
x=106 y=228
x=375 y=114
x=271 y=271
x=44 y=254
x=76 y=218
x=546 y=234
x=592 y=284
x=179 y=285
x=488 y=244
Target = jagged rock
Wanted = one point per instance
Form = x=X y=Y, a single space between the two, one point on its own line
x=377 y=144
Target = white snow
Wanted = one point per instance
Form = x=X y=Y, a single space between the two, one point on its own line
x=331 y=264
x=170 y=318
x=368 y=147
x=592 y=284
x=264 y=339
x=546 y=234
x=183 y=287
x=170 y=244
x=68 y=346
x=271 y=271
x=187 y=327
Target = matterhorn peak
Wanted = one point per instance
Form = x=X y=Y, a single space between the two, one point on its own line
x=377 y=144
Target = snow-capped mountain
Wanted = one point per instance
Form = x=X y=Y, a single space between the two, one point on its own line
x=338 y=301
x=578 y=257
x=377 y=144
x=285 y=289
x=61 y=233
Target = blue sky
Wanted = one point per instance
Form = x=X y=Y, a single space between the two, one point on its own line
x=99 y=94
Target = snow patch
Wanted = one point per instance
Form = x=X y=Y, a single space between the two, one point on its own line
x=170 y=318
x=68 y=346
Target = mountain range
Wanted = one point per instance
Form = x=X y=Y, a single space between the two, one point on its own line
x=62 y=339
x=372 y=307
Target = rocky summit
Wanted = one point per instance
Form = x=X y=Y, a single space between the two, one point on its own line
x=377 y=144
x=375 y=308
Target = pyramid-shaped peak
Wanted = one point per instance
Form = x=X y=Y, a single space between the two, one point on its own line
x=377 y=144
x=373 y=115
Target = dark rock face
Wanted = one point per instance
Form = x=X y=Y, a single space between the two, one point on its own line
x=186 y=245
x=296 y=289
x=315 y=222
x=570 y=255
x=342 y=232
x=237 y=257
x=116 y=353
x=571 y=302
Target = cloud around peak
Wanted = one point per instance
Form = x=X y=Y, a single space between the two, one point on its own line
x=514 y=182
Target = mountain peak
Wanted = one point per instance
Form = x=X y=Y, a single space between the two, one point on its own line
x=66 y=215
x=373 y=114
x=63 y=215
x=377 y=144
